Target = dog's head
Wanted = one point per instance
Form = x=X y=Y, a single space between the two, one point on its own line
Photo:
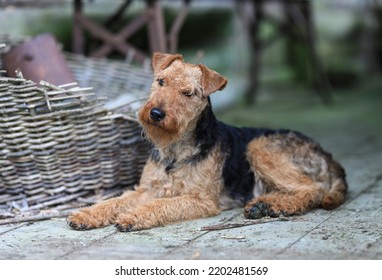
x=179 y=93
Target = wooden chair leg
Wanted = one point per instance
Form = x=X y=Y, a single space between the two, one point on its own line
x=78 y=40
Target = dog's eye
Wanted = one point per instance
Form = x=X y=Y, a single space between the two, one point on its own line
x=160 y=82
x=187 y=92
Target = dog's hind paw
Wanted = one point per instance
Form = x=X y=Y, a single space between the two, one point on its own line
x=259 y=210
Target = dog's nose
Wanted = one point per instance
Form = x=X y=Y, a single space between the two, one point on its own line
x=157 y=114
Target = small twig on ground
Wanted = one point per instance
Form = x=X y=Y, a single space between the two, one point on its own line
x=244 y=224
x=36 y=218
x=233 y=237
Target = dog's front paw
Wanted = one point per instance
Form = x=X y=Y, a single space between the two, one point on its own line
x=79 y=221
x=124 y=227
x=132 y=222
x=126 y=223
x=84 y=220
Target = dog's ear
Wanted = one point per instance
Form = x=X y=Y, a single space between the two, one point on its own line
x=161 y=61
x=211 y=81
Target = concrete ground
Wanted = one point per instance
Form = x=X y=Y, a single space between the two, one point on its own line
x=351 y=130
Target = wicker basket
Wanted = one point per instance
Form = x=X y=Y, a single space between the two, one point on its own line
x=60 y=146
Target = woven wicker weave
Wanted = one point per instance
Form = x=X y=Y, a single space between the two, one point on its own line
x=120 y=82
x=60 y=145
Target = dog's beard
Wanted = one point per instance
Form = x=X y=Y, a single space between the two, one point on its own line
x=161 y=134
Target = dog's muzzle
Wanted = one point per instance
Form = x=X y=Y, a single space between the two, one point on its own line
x=157 y=114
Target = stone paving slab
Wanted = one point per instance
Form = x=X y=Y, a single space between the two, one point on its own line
x=353 y=231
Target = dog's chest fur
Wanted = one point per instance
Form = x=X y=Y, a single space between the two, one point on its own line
x=186 y=175
x=214 y=162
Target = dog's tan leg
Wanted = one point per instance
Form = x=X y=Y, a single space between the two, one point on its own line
x=162 y=211
x=296 y=173
x=105 y=212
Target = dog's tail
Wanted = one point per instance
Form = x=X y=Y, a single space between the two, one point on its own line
x=336 y=195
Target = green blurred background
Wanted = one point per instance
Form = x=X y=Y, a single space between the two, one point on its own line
x=349 y=44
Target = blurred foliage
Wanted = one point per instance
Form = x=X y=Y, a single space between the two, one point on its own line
x=202 y=27
x=196 y=32
x=60 y=27
x=340 y=41
x=351 y=107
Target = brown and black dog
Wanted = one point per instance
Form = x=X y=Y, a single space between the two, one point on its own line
x=200 y=166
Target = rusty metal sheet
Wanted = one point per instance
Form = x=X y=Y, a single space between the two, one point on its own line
x=39 y=59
